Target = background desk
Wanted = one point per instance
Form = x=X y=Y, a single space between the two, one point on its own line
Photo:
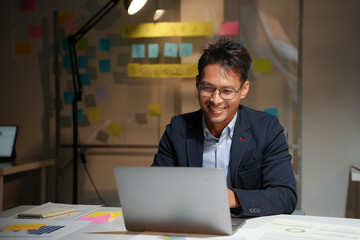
x=23 y=168
x=116 y=229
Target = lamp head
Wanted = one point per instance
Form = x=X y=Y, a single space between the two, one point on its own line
x=133 y=6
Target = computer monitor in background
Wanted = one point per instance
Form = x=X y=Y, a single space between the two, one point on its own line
x=8 y=135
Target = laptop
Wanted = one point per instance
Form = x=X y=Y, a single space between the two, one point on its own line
x=8 y=135
x=175 y=199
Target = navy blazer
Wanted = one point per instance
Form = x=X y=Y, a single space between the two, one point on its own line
x=260 y=164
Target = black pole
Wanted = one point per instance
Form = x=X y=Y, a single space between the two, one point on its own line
x=78 y=90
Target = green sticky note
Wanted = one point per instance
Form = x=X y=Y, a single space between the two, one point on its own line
x=82 y=44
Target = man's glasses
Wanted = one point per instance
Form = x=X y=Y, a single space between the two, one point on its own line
x=226 y=93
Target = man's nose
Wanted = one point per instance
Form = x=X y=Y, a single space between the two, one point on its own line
x=215 y=98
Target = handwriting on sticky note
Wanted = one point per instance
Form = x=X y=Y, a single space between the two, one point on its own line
x=170 y=49
x=154 y=109
x=17 y=227
x=262 y=65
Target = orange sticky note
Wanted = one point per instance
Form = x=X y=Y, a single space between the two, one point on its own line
x=63 y=17
x=16 y=227
x=23 y=48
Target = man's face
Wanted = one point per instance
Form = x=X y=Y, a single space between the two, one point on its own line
x=219 y=112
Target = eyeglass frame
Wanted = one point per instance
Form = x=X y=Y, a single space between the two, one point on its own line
x=214 y=90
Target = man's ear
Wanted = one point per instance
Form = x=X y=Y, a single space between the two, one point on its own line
x=245 y=89
x=197 y=81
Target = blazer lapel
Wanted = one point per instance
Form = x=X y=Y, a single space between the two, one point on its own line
x=239 y=145
x=194 y=141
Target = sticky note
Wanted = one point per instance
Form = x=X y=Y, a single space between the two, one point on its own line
x=170 y=49
x=186 y=49
x=27 y=5
x=94 y=114
x=229 y=28
x=104 y=65
x=102 y=93
x=71 y=27
x=138 y=50
x=262 y=65
x=104 y=44
x=63 y=17
x=83 y=61
x=96 y=220
x=140 y=118
x=35 y=31
x=154 y=109
x=69 y=97
x=89 y=101
x=153 y=50
x=80 y=115
x=64 y=44
x=82 y=44
x=114 y=129
x=23 y=48
x=17 y=227
x=242 y=43
x=112 y=214
x=102 y=136
x=272 y=111
x=85 y=79
x=66 y=62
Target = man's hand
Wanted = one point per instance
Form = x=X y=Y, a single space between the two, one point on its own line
x=233 y=200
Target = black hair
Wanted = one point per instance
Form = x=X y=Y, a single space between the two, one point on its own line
x=230 y=55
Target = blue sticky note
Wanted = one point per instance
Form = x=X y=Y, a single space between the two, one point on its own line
x=170 y=50
x=242 y=43
x=83 y=61
x=80 y=115
x=85 y=79
x=153 y=50
x=66 y=62
x=104 y=44
x=65 y=44
x=104 y=65
x=138 y=50
x=68 y=97
x=272 y=111
x=186 y=49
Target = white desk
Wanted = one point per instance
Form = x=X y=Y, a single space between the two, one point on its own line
x=23 y=168
x=116 y=228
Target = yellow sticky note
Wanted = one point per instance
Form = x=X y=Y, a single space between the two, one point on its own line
x=154 y=109
x=23 y=48
x=99 y=214
x=94 y=114
x=114 y=129
x=82 y=44
x=16 y=227
x=262 y=65
x=63 y=17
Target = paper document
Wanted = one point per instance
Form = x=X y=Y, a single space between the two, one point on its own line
x=34 y=229
x=311 y=230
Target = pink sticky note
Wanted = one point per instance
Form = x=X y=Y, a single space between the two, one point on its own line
x=96 y=220
x=71 y=27
x=35 y=31
x=229 y=28
x=27 y=5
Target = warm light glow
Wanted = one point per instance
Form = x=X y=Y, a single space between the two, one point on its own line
x=135 y=6
x=158 y=14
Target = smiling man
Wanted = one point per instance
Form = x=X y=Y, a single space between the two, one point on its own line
x=248 y=145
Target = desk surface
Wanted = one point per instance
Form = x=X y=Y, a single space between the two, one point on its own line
x=116 y=229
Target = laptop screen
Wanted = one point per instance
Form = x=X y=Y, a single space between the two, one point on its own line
x=7 y=140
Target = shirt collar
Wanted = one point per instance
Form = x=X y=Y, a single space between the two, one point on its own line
x=229 y=130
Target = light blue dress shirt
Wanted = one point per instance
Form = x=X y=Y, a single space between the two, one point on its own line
x=217 y=150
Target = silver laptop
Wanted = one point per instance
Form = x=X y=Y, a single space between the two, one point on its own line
x=175 y=199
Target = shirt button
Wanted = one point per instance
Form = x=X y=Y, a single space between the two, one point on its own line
x=220 y=146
